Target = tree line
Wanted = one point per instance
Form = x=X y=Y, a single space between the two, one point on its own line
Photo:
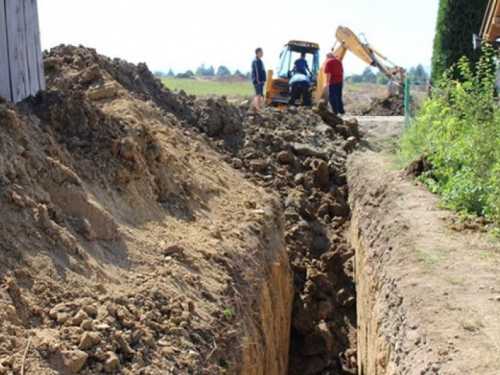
x=417 y=75
x=203 y=71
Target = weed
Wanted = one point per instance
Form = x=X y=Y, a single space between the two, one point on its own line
x=486 y=254
x=229 y=314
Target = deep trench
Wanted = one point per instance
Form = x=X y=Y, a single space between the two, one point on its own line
x=323 y=332
x=314 y=195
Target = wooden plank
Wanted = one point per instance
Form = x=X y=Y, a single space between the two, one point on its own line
x=38 y=46
x=16 y=35
x=4 y=55
x=31 y=54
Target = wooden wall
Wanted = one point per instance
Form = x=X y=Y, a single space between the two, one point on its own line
x=21 y=64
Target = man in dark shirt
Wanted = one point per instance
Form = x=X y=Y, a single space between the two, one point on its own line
x=258 y=78
x=335 y=80
x=301 y=66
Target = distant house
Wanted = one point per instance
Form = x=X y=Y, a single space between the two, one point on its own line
x=21 y=64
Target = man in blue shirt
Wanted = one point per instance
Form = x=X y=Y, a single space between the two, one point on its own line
x=258 y=78
x=300 y=87
x=301 y=66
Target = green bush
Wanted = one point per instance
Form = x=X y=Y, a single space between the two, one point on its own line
x=457 y=21
x=458 y=129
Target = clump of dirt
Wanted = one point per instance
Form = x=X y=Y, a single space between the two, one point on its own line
x=418 y=167
x=127 y=243
x=388 y=106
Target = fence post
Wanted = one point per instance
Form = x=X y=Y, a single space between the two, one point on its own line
x=407 y=100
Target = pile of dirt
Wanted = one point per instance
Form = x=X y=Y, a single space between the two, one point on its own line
x=124 y=239
x=129 y=246
x=388 y=106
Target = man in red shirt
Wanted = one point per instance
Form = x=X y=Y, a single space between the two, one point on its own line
x=335 y=80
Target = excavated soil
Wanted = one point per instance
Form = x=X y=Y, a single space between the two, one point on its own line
x=386 y=106
x=147 y=232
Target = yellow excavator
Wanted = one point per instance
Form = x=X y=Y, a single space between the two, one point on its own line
x=277 y=89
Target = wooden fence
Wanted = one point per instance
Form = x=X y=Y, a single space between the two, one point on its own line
x=21 y=64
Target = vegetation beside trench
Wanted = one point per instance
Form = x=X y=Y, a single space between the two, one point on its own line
x=458 y=128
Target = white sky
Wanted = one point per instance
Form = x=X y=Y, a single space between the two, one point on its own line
x=182 y=34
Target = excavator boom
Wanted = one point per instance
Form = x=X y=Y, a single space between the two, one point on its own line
x=369 y=54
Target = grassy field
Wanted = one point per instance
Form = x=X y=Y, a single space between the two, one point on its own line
x=207 y=88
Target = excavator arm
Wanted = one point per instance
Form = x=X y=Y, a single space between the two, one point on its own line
x=348 y=41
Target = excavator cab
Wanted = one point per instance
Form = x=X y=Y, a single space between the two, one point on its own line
x=277 y=89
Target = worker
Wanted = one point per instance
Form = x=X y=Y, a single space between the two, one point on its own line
x=258 y=78
x=300 y=88
x=300 y=65
x=335 y=81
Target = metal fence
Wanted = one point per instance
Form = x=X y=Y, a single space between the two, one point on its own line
x=21 y=64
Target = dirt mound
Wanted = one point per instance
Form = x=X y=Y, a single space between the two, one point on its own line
x=128 y=246
x=389 y=106
x=124 y=239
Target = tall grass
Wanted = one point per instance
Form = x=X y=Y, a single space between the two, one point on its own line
x=458 y=128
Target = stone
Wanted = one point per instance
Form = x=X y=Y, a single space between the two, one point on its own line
x=87 y=324
x=258 y=166
x=350 y=144
x=88 y=340
x=237 y=163
x=307 y=150
x=62 y=317
x=90 y=310
x=78 y=318
x=85 y=342
x=286 y=157
x=112 y=364
x=321 y=173
x=100 y=92
x=11 y=311
x=74 y=360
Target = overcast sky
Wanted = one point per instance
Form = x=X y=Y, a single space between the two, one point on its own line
x=182 y=34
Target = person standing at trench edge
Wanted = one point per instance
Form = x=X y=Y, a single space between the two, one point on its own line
x=335 y=81
x=258 y=78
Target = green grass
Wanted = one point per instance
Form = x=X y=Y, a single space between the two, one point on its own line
x=208 y=88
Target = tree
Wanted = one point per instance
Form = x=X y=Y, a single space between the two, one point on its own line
x=382 y=79
x=171 y=73
x=457 y=21
x=418 y=75
x=159 y=74
x=238 y=73
x=368 y=76
x=421 y=77
x=223 y=71
x=204 y=71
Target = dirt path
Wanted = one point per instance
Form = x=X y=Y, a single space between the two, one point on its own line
x=429 y=296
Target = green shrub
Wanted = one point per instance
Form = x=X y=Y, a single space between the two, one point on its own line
x=458 y=128
x=457 y=21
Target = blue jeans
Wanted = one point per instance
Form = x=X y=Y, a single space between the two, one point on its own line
x=335 y=98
